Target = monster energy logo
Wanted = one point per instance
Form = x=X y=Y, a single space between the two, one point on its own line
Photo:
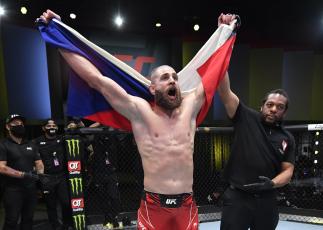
x=79 y=221
x=73 y=147
x=76 y=185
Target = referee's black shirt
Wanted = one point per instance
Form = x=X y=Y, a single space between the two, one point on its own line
x=257 y=149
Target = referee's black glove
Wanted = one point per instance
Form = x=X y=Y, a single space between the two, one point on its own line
x=264 y=185
x=31 y=176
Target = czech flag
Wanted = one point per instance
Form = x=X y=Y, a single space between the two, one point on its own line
x=208 y=66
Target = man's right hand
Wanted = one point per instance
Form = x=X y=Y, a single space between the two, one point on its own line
x=47 y=16
x=30 y=176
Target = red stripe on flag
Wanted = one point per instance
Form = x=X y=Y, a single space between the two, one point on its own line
x=212 y=72
x=111 y=118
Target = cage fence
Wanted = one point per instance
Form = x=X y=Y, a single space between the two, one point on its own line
x=113 y=176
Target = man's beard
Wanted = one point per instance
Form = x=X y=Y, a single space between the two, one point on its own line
x=275 y=121
x=163 y=101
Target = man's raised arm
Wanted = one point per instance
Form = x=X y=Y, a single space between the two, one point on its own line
x=228 y=98
x=227 y=19
x=119 y=99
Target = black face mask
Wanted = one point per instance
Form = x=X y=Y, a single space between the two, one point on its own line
x=51 y=132
x=18 y=131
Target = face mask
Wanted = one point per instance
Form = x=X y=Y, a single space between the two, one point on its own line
x=51 y=132
x=18 y=131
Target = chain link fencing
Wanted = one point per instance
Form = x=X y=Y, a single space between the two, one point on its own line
x=113 y=177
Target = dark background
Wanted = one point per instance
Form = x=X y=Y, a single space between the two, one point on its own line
x=276 y=23
x=278 y=46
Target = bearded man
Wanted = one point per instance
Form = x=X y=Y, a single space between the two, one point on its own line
x=51 y=147
x=164 y=132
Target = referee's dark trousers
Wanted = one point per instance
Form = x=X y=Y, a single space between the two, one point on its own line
x=243 y=210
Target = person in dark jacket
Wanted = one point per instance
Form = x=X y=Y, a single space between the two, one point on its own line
x=18 y=159
x=52 y=152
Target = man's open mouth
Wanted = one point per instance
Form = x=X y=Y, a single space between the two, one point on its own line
x=172 y=93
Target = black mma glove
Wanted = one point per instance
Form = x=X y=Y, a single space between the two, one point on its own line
x=264 y=185
x=30 y=176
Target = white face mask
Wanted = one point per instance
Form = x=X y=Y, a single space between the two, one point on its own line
x=51 y=132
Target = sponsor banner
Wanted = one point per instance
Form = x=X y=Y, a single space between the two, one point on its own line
x=79 y=221
x=75 y=148
x=77 y=204
x=76 y=185
x=74 y=167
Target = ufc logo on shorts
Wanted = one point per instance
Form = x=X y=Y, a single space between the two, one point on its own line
x=171 y=201
x=74 y=166
x=77 y=203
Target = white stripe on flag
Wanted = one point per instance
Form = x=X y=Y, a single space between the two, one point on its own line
x=188 y=76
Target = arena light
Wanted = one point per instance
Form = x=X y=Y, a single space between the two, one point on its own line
x=196 y=27
x=2 y=11
x=317 y=142
x=23 y=10
x=317 y=133
x=72 y=15
x=158 y=24
x=316 y=152
x=315 y=161
x=118 y=21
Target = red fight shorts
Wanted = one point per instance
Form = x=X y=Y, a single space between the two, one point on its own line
x=167 y=212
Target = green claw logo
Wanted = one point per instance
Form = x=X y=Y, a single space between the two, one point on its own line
x=79 y=221
x=73 y=147
x=76 y=185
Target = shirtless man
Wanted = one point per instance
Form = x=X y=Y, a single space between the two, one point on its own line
x=164 y=134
